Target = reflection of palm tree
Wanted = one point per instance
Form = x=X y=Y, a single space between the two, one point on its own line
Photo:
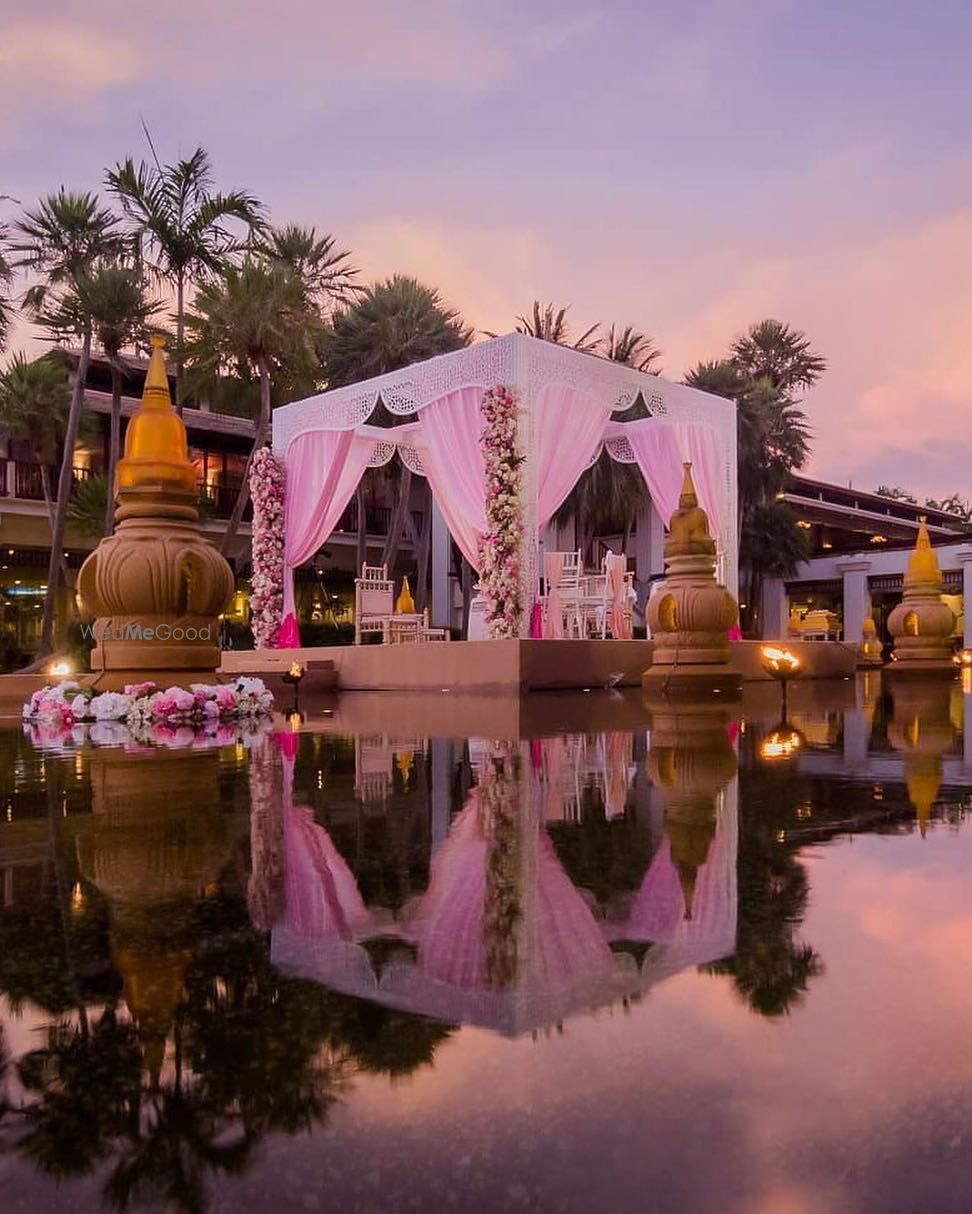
x=771 y=969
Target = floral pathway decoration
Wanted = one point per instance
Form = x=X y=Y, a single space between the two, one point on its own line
x=267 y=489
x=218 y=714
x=499 y=551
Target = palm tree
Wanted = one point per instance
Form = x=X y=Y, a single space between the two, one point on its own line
x=773 y=441
x=182 y=226
x=549 y=323
x=61 y=240
x=394 y=323
x=34 y=402
x=115 y=298
x=772 y=545
x=325 y=272
x=772 y=350
x=254 y=319
x=6 y=278
x=630 y=347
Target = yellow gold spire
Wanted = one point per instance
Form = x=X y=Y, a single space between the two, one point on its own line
x=923 y=789
x=689 y=527
x=688 y=498
x=923 y=563
x=156 y=448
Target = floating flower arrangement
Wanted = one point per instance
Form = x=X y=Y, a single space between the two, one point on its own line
x=138 y=704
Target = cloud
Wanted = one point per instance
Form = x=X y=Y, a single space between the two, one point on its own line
x=51 y=62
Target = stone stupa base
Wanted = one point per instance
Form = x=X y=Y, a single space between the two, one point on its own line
x=903 y=668
x=688 y=682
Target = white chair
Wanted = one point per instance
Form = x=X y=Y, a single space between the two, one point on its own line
x=374 y=602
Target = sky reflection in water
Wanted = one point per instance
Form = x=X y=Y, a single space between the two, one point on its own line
x=658 y=963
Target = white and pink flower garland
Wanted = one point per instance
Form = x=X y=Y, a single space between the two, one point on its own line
x=267 y=489
x=499 y=551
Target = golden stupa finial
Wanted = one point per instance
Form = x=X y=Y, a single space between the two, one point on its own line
x=687 y=877
x=689 y=526
x=923 y=563
x=156 y=447
x=923 y=787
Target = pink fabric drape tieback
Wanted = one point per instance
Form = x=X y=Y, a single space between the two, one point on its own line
x=553 y=569
x=289 y=635
x=616 y=566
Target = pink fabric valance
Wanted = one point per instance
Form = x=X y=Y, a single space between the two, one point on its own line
x=448 y=440
x=323 y=471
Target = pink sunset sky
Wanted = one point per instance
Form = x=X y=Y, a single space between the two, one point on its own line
x=687 y=167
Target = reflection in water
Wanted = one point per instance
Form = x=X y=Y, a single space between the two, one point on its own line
x=503 y=937
x=214 y=948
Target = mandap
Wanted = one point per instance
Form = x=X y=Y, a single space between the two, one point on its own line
x=502 y=430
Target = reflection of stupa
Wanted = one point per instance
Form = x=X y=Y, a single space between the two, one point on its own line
x=691 y=618
x=156 y=585
x=922 y=730
x=690 y=761
x=922 y=623
x=157 y=839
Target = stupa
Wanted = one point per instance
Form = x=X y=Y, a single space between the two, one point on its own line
x=922 y=730
x=690 y=761
x=922 y=624
x=157 y=585
x=869 y=649
x=691 y=618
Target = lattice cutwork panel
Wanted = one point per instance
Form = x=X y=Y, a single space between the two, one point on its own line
x=406 y=391
x=382 y=453
x=620 y=451
x=411 y=458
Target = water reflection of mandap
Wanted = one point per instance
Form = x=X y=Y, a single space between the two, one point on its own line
x=502 y=938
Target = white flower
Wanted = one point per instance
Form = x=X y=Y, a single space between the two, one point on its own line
x=110 y=706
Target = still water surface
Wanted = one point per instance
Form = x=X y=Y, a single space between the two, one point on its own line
x=689 y=960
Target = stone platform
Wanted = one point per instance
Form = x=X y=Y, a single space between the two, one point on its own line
x=512 y=666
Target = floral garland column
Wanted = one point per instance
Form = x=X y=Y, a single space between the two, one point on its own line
x=267 y=484
x=500 y=552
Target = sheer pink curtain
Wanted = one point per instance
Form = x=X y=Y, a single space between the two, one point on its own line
x=449 y=443
x=701 y=445
x=569 y=427
x=323 y=470
x=659 y=457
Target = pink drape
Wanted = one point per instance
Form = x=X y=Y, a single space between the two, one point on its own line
x=700 y=444
x=553 y=568
x=558 y=940
x=449 y=441
x=615 y=566
x=569 y=427
x=323 y=471
x=659 y=456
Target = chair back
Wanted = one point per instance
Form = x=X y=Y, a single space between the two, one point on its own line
x=571 y=570
x=374 y=599
x=374 y=573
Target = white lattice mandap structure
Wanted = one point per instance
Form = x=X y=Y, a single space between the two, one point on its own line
x=558 y=389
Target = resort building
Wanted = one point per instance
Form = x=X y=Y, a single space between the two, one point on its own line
x=860 y=543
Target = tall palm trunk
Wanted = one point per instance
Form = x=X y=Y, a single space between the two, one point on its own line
x=45 y=480
x=180 y=333
x=259 y=438
x=64 y=485
x=361 y=537
x=390 y=554
x=114 y=442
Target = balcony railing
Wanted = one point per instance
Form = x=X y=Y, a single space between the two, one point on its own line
x=22 y=479
x=377 y=519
